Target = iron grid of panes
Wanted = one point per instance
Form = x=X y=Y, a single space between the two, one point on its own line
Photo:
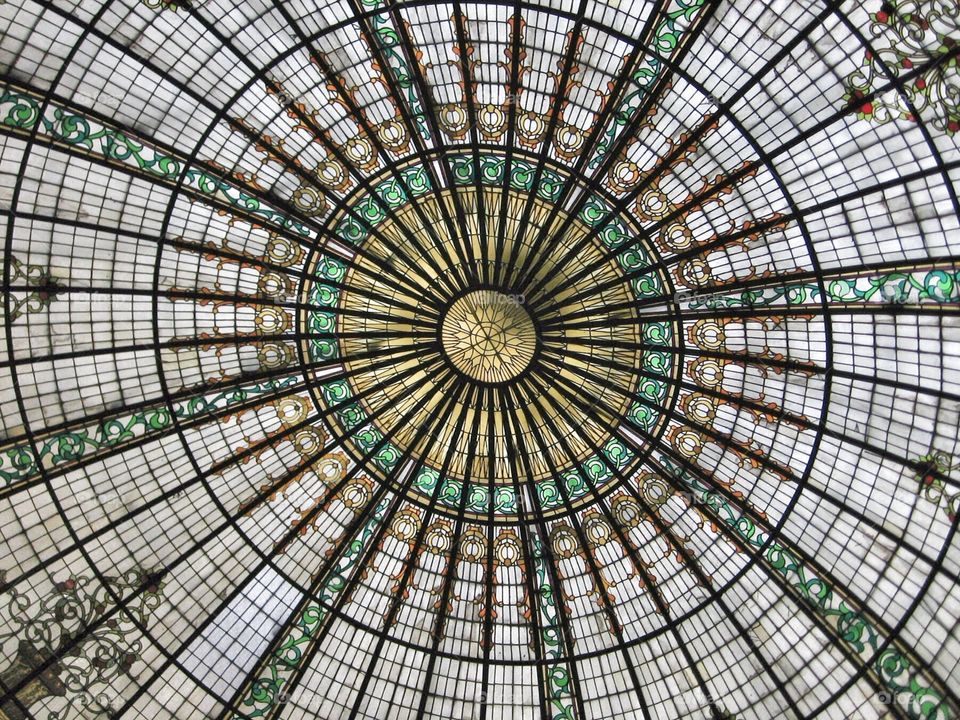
x=479 y=360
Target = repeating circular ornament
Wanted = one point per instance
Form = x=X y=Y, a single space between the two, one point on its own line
x=459 y=335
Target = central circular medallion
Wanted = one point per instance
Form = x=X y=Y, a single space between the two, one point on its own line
x=489 y=336
x=459 y=391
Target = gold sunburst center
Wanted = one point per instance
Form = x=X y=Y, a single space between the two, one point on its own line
x=489 y=336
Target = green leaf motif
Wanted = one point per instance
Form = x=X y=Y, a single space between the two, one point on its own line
x=266 y=690
x=893 y=668
x=76 y=130
x=19 y=463
x=666 y=39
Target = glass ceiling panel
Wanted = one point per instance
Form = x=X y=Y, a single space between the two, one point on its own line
x=423 y=359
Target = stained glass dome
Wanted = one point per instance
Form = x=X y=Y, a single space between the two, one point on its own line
x=519 y=359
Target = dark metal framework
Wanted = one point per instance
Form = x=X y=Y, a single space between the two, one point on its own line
x=528 y=393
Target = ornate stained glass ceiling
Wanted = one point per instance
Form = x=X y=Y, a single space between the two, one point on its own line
x=507 y=360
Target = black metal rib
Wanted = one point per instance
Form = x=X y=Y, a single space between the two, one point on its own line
x=574 y=38
x=53 y=473
x=524 y=399
x=462 y=240
x=464 y=47
x=231 y=518
x=489 y=576
x=728 y=442
x=533 y=597
x=689 y=561
x=766 y=158
x=180 y=244
x=446 y=407
x=623 y=83
x=414 y=135
x=513 y=94
x=450 y=574
x=772 y=281
x=412 y=560
x=516 y=429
